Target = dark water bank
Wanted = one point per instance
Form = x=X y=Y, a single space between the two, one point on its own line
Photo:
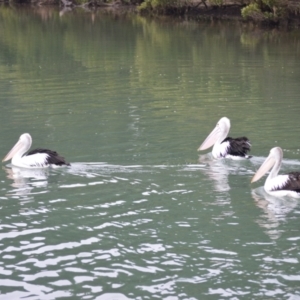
x=284 y=14
x=287 y=17
x=234 y=12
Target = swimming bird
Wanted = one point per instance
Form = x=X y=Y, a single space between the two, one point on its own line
x=278 y=185
x=38 y=158
x=226 y=147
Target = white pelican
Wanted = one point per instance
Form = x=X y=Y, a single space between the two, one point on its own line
x=278 y=185
x=226 y=147
x=38 y=158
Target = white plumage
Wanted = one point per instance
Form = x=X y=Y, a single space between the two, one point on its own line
x=221 y=150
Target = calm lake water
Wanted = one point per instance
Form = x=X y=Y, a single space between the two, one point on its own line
x=140 y=214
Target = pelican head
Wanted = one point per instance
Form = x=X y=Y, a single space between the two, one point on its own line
x=274 y=158
x=218 y=134
x=23 y=144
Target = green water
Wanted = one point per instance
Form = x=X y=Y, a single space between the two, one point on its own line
x=140 y=214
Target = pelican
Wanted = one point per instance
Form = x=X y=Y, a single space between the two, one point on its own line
x=38 y=158
x=278 y=185
x=226 y=147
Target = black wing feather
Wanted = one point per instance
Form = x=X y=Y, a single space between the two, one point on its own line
x=293 y=184
x=238 y=146
x=53 y=157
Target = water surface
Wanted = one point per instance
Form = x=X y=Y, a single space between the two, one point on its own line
x=140 y=214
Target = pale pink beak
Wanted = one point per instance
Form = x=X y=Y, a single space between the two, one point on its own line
x=211 y=139
x=264 y=168
x=16 y=148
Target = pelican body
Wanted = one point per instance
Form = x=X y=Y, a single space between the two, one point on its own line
x=38 y=158
x=223 y=146
x=278 y=185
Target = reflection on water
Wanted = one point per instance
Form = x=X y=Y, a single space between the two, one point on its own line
x=275 y=211
x=218 y=170
x=25 y=181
